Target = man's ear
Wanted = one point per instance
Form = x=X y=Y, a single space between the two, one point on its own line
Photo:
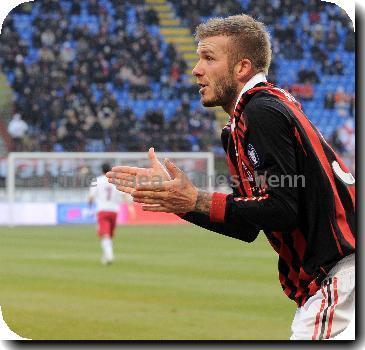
x=243 y=69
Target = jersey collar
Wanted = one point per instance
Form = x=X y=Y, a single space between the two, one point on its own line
x=256 y=79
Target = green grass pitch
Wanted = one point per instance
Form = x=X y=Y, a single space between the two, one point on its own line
x=167 y=283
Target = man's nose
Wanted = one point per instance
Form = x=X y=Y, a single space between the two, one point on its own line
x=197 y=70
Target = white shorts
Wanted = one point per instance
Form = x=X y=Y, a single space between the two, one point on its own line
x=327 y=313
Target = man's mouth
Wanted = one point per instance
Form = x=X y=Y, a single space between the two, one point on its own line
x=202 y=86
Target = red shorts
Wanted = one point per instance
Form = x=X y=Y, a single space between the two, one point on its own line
x=107 y=221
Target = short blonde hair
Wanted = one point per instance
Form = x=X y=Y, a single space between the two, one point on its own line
x=250 y=39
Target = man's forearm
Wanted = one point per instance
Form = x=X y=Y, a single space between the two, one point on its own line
x=203 y=202
x=201 y=216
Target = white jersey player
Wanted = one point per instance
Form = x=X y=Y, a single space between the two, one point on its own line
x=107 y=200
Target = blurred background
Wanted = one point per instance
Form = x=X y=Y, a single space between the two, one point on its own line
x=112 y=76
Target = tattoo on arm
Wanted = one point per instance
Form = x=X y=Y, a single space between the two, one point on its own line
x=203 y=202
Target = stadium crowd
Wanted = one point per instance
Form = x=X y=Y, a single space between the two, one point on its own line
x=69 y=77
x=54 y=95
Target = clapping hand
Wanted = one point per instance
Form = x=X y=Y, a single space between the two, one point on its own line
x=126 y=178
x=177 y=195
x=158 y=188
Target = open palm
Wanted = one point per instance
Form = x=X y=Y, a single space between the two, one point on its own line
x=126 y=178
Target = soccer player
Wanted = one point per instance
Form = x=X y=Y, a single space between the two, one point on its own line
x=107 y=199
x=286 y=180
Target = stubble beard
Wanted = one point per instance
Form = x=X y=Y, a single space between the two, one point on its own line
x=224 y=91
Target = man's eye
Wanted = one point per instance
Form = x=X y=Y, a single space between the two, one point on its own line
x=209 y=58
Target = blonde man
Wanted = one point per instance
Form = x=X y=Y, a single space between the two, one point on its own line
x=286 y=179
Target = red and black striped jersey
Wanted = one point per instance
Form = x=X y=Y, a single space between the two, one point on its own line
x=288 y=182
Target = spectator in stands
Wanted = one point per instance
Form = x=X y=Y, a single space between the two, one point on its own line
x=48 y=38
x=93 y=7
x=342 y=101
x=94 y=136
x=17 y=129
x=314 y=16
x=338 y=66
x=71 y=134
x=317 y=33
x=283 y=33
x=75 y=8
x=151 y=17
x=67 y=53
x=332 y=38
x=318 y=54
x=298 y=50
x=333 y=68
x=347 y=135
x=46 y=55
x=292 y=51
x=302 y=91
x=329 y=100
x=336 y=143
x=51 y=140
x=308 y=76
x=327 y=67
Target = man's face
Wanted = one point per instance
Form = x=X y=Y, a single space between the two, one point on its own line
x=214 y=74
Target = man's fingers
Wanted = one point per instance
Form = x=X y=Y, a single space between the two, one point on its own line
x=123 y=182
x=157 y=186
x=143 y=182
x=149 y=194
x=157 y=165
x=124 y=177
x=125 y=189
x=153 y=158
x=154 y=208
x=122 y=169
x=147 y=201
x=121 y=177
x=127 y=170
x=139 y=178
x=173 y=170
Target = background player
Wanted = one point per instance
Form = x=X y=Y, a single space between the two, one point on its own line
x=107 y=200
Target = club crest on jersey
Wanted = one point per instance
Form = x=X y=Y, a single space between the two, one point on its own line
x=252 y=154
